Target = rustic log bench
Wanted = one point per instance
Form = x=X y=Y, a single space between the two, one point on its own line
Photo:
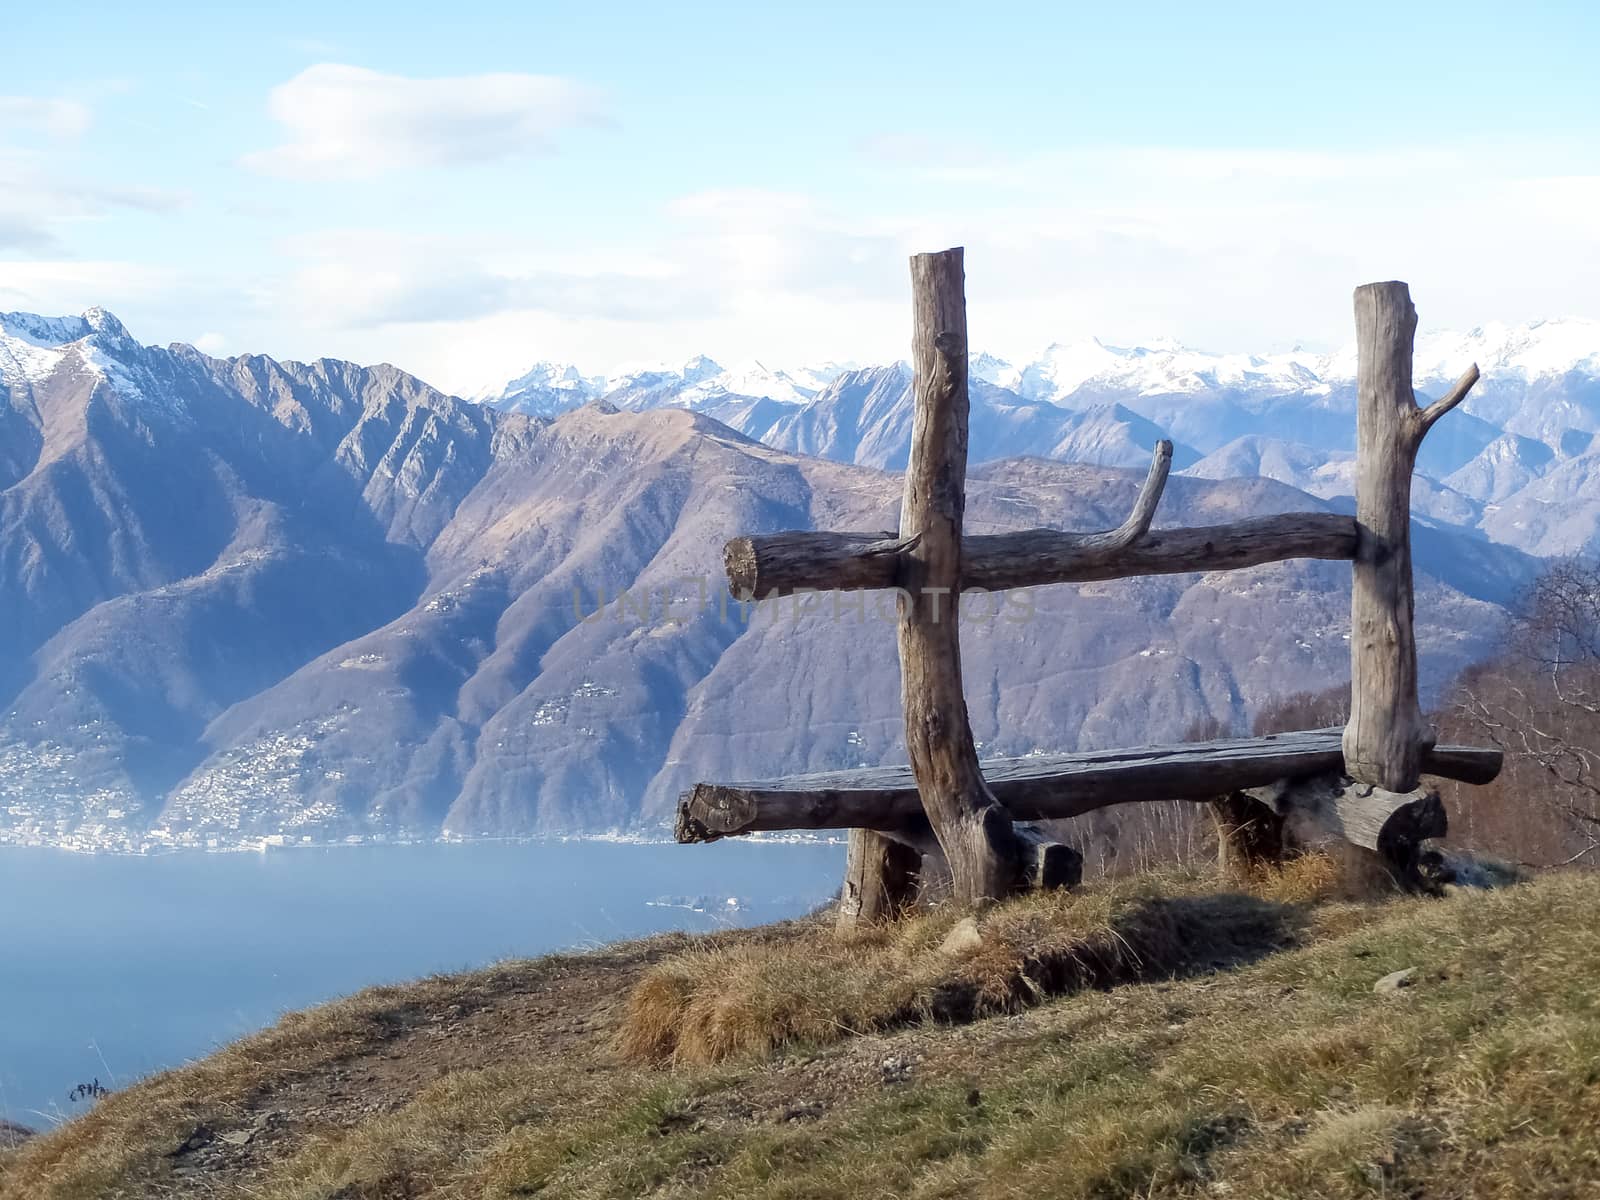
x=1271 y=797
x=1358 y=787
x=1050 y=786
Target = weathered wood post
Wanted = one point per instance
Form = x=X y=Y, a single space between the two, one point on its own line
x=880 y=879
x=975 y=832
x=1386 y=736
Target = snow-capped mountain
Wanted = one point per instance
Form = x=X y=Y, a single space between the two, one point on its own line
x=1067 y=372
x=33 y=347
x=548 y=388
x=543 y=390
x=1288 y=416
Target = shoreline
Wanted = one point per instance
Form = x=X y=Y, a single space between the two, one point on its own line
x=277 y=843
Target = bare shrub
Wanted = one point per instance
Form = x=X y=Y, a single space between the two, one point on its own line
x=1303 y=710
x=1538 y=700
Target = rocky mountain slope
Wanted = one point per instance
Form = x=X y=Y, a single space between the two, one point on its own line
x=251 y=598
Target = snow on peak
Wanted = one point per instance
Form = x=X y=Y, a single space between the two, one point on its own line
x=987 y=367
x=33 y=348
x=544 y=389
x=105 y=323
x=548 y=387
x=44 y=332
x=1523 y=352
x=754 y=379
x=699 y=369
x=1087 y=372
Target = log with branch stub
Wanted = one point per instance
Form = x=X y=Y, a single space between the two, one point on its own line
x=776 y=564
x=1384 y=740
x=779 y=563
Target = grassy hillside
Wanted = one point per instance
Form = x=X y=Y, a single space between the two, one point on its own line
x=1204 y=1046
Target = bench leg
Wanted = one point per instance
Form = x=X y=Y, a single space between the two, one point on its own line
x=880 y=879
x=1249 y=834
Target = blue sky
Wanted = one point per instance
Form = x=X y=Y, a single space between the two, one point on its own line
x=463 y=189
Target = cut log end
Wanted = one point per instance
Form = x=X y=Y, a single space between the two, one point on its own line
x=1336 y=812
x=742 y=562
x=707 y=813
x=688 y=829
x=1048 y=865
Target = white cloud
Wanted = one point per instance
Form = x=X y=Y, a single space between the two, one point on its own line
x=1256 y=249
x=363 y=279
x=762 y=242
x=35 y=202
x=59 y=118
x=54 y=287
x=349 y=122
x=1229 y=250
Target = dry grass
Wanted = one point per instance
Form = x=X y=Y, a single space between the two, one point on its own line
x=1305 y=879
x=1279 y=1075
x=735 y=1001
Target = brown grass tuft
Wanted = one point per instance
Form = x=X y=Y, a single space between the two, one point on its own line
x=739 y=1001
x=1306 y=879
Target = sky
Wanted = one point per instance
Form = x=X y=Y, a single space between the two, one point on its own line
x=464 y=189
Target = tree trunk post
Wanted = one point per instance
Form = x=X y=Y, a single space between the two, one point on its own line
x=1386 y=735
x=975 y=833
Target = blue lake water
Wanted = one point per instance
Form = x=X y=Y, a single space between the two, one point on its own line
x=115 y=966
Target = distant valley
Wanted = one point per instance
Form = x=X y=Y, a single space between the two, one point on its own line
x=251 y=599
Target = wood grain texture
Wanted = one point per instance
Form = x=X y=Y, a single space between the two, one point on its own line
x=1384 y=739
x=1044 y=786
x=774 y=564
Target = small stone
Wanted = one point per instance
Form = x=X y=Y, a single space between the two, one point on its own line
x=1395 y=981
x=895 y=1069
x=963 y=937
x=201 y=1136
x=237 y=1137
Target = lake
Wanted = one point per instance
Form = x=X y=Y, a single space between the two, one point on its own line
x=116 y=966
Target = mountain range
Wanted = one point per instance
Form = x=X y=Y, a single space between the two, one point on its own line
x=1519 y=462
x=310 y=601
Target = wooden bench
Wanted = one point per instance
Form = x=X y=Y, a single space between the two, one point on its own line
x=1358 y=787
x=1042 y=787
